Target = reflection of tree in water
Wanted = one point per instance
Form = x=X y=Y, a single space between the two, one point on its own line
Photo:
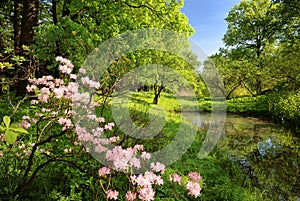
x=274 y=168
x=269 y=156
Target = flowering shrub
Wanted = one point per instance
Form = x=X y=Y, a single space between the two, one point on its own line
x=56 y=136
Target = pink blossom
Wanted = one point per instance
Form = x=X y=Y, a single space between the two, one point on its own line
x=100 y=119
x=33 y=120
x=58 y=82
x=1 y=153
x=85 y=80
x=175 y=178
x=103 y=171
x=43 y=98
x=58 y=92
x=45 y=110
x=139 y=147
x=158 y=167
x=195 y=176
x=73 y=76
x=146 y=193
x=26 y=125
x=92 y=116
x=31 y=144
x=113 y=195
x=130 y=196
x=44 y=90
x=94 y=84
x=194 y=188
x=64 y=61
x=145 y=155
x=67 y=150
x=25 y=117
x=41 y=150
x=82 y=71
x=109 y=126
x=135 y=162
x=49 y=77
x=67 y=123
x=100 y=149
x=22 y=146
x=26 y=152
x=34 y=102
x=31 y=88
x=114 y=139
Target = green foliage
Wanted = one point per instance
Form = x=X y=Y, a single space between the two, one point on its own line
x=284 y=107
x=10 y=132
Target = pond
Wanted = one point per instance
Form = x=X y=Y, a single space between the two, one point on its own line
x=269 y=154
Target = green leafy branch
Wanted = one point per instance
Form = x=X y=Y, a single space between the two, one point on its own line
x=10 y=133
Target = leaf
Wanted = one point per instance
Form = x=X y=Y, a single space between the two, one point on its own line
x=19 y=130
x=6 y=120
x=2 y=128
x=2 y=66
x=10 y=137
x=25 y=47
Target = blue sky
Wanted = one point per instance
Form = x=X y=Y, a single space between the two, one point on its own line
x=207 y=18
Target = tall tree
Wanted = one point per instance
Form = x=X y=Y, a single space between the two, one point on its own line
x=253 y=26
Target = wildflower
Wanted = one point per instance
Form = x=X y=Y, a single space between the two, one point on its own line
x=195 y=176
x=130 y=196
x=158 y=167
x=44 y=90
x=82 y=71
x=34 y=102
x=73 y=76
x=25 y=124
x=25 y=117
x=145 y=155
x=103 y=171
x=146 y=193
x=58 y=92
x=175 y=178
x=113 y=195
x=194 y=188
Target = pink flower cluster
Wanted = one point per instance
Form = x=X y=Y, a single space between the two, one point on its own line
x=113 y=195
x=66 y=66
x=176 y=178
x=103 y=171
x=67 y=123
x=144 y=183
x=62 y=91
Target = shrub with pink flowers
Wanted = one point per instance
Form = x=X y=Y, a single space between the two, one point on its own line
x=50 y=136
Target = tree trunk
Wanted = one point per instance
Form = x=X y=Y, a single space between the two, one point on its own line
x=157 y=91
x=16 y=25
x=29 y=21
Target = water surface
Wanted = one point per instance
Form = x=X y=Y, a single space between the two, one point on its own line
x=266 y=152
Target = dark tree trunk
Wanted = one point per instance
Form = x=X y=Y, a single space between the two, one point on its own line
x=29 y=21
x=57 y=43
x=157 y=91
x=16 y=25
x=66 y=9
x=54 y=12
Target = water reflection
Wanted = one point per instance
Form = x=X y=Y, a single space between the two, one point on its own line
x=268 y=154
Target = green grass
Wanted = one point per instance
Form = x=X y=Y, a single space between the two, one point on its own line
x=222 y=179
